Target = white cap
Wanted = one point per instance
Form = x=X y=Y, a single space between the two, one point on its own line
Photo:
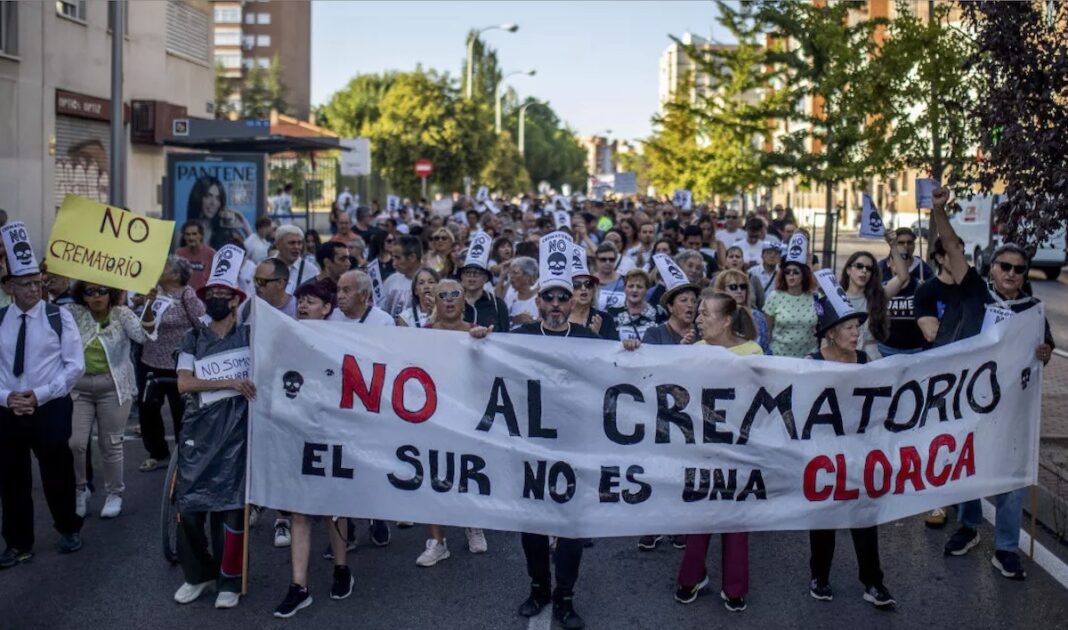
x=797 y=250
x=21 y=260
x=554 y=261
x=478 y=252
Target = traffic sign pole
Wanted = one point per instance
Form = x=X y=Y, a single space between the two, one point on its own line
x=424 y=186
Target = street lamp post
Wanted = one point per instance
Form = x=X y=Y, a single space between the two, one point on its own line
x=522 y=124
x=497 y=94
x=507 y=26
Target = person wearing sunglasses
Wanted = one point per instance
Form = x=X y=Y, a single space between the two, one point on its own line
x=609 y=278
x=725 y=323
x=902 y=274
x=105 y=392
x=381 y=249
x=738 y=285
x=584 y=309
x=791 y=310
x=440 y=247
x=866 y=294
x=762 y=276
x=270 y=280
x=449 y=315
x=732 y=232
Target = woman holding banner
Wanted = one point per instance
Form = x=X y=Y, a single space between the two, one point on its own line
x=182 y=314
x=841 y=331
x=448 y=315
x=105 y=393
x=725 y=323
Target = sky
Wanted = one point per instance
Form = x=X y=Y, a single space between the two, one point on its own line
x=596 y=62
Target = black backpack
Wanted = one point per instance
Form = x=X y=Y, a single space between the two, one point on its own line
x=55 y=319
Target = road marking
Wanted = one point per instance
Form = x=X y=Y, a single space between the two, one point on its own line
x=1043 y=557
x=542 y=620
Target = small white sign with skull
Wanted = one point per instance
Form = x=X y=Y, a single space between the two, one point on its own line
x=221 y=367
x=871 y=224
x=20 y=258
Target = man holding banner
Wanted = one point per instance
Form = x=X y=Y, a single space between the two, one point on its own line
x=214 y=364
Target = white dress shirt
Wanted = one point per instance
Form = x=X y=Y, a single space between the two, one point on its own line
x=257 y=248
x=50 y=367
x=310 y=271
x=372 y=317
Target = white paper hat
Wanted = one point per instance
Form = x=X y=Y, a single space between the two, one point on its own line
x=797 y=250
x=478 y=252
x=673 y=277
x=21 y=260
x=579 y=265
x=554 y=261
x=225 y=268
x=562 y=219
x=834 y=307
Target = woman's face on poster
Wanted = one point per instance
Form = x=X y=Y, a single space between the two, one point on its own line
x=210 y=203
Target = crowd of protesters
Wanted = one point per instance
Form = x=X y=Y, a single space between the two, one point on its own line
x=77 y=359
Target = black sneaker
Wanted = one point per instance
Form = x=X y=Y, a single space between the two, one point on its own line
x=533 y=604
x=688 y=594
x=678 y=542
x=69 y=543
x=959 y=543
x=297 y=598
x=879 y=597
x=820 y=590
x=733 y=604
x=379 y=533
x=12 y=557
x=1009 y=564
x=648 y=543
x=565 y=615
x=343 y=583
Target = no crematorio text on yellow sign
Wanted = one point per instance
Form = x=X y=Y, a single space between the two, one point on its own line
x=107 y=245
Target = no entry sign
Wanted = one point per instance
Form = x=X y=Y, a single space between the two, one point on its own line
x=423 y=168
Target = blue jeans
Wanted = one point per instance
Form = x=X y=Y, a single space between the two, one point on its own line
x=1006 y=522
x=887 y=351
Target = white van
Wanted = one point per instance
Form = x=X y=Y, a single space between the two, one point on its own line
x=982 y=236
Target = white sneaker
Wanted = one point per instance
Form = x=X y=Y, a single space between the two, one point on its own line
x=112 y=506
x=435 y=553
x=226 y=599
x=254 y=515
x=282 y=537
x=190 y=592
x=476 y=540
x=81 y=501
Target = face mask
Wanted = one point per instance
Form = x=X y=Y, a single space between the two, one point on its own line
x=218 y=308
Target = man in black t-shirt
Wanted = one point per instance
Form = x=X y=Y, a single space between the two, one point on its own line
x=554 y=309
x=905 y=336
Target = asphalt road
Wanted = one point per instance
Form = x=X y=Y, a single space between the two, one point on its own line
x=120 y=580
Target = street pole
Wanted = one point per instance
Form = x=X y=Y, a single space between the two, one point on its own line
x=497 y=97
x=522 y=126
x=470 y=64
x=117 y=159
x=424 y=186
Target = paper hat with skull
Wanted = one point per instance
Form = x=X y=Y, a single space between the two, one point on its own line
x=554 y=262
x=478 y=252
x=225 y=267
x=20 y=258
x=675 y=281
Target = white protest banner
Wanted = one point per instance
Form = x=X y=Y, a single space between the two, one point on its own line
x=610 y=299
x=626 y=183
x=925 y=192
x=441 y=207
x=378 y=294
x=994 y=315
x=871 y=223
x=482 y=194
x=561 y=219
x=220 y=367
x=682 y=199
x=393 y=203
x=357 y=160
x=580 y=438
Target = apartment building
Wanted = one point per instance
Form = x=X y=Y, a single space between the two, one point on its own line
x=250 y=33
x=55 y=107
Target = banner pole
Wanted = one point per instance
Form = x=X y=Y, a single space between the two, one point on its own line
x=1034 y=518
x=244 y=554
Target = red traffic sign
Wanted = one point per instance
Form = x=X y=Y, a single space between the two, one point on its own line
x=423 y=168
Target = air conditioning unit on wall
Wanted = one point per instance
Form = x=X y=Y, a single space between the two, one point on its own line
x=152 y=120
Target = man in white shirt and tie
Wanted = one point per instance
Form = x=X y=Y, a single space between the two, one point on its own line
x=41 y=359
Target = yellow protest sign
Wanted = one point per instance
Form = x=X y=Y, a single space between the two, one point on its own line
x=108 y=246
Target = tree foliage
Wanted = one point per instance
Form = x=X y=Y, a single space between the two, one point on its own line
x=551 y=152
x=676 y=159
x=504 y=170
x=1022 y=58
x=353 y=108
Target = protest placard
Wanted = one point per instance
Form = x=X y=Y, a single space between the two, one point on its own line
x=108 y=246
x=220 y=367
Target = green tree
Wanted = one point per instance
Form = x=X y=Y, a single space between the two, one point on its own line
x=224 y=88
x=351 y=109
x=832 y=75
x=551 y=152
x=504 y=168
x=486 y=70
x=676 y=159
x=262 y=91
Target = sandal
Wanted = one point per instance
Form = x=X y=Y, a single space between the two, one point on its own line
x=150 y=464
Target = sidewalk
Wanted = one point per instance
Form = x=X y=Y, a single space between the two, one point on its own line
x=1053 y=449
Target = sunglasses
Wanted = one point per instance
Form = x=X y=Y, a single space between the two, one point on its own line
x=736 y=287
x=790 y=271
x=583 y=284
x=1006 y=268
x=262 y=282
x=862 y=267
x=562 y=298
x=389 y=241
x=731 y=216
x=99 y=291
x=449 y=295
x=907 y=242
x=606 y=259
x=439 y=238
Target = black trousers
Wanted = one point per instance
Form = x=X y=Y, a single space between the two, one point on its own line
x=153 y=433
x=219 y=559
x=45 y=433
x=866 y=545
x=567 y=558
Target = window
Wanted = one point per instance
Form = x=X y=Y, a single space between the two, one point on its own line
x=9 y=27
x=247 y=63
x=263 y=18
x=248 y=41
x=263 y=40
x=250 y=18
x=227 y=37
x=188 y=31
x=228 y=60
x=263 y=62
x=71 y=8
x=228 y=15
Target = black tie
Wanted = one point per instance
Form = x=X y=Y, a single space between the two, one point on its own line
x=20 y=348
